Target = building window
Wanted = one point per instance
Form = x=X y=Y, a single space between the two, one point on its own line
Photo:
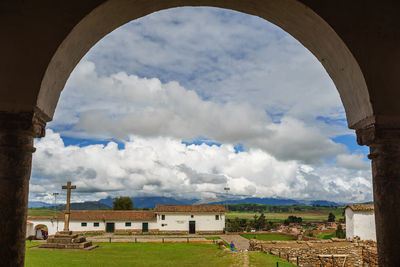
x=217 y=217
x=83 y=224
x=96 y=224
x=163 y=217
x=128 y=224
x=191 y=216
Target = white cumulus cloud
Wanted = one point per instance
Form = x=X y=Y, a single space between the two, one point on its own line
x=166 y=166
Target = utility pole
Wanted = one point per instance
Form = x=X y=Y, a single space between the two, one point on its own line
x=55 y=194
x=226 y=188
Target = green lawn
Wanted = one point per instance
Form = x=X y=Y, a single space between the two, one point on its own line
x=268 y=237
x=146 y=254
x=212 y=237
x=261 y=259
x=131 y=254
x=42 y=212
x=326 y=235
x=279 y=217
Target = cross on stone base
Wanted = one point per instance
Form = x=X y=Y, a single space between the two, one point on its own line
x=68 y=187
x=65 y=239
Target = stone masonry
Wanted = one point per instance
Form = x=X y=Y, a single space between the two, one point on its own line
x=314 y=253
x=67 y=240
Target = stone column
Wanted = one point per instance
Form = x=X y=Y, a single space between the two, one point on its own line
x=385 y=159
x=17 y=131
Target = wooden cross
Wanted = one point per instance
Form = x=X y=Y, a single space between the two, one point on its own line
x=67 y=208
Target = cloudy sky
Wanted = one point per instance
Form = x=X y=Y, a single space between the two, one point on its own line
x=185 y=101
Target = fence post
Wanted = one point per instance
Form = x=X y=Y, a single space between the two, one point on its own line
x=163 y=239
x=297 y=260
x=110 y=240
x=287 y=257
x=187 y=240
x=279 y=253
x=277 y=264
x=135 y=240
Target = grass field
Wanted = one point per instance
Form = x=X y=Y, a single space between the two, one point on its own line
x=326 y=235
x=42 y=212
x=279 y=217
x=131 y=254
x=268 y=237
x=146 y=254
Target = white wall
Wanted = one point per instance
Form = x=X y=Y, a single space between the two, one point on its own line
x=349 y=224
x=30 y=230
x=172 y=222
x=51 y=225
x=77 y=225
x=120 y=225
x=180 y=222
x=361 y=224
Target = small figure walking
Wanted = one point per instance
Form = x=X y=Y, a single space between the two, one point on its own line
x=232 y=246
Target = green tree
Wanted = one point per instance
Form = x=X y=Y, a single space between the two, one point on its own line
x=340 y=233
x=235 y=225
x=254 y=222
x=331 y=217
x=292 y=219
x=123 y=203
x=261 y=222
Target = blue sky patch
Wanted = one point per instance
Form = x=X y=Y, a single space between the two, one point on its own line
x=82 y=142
x=350 y=141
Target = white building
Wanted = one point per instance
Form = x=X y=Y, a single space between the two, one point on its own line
x=360 y=222
x=165 y=218
x=191 y=218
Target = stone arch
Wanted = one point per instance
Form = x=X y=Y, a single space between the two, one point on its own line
x=38 y=229
x=292 y=16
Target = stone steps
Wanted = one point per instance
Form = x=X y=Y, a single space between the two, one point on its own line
x=91 y=247
x=67 y=241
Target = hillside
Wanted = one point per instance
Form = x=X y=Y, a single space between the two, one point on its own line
x=151 y=202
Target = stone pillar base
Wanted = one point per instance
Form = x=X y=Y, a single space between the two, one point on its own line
x=384 y=146
x=64 y=233
x=66 y=240
x=17 y=131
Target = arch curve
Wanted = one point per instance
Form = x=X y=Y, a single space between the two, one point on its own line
x=292 y=16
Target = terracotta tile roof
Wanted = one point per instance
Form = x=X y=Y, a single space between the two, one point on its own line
x=190 y=208
x=99 y=215
x=126 y=215
x=40 y=217
x=361 y=207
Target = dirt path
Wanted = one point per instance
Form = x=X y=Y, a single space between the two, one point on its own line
x=246 y=259
x=241 y=243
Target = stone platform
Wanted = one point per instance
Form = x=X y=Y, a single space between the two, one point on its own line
x=66 y=240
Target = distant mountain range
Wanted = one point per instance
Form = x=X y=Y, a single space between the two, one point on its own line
x=38 y=204
x=87 y=205
x=150 y=202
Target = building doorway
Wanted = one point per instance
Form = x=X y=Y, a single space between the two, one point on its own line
x=41 y=232
x=110 y=227
x=145 y=227
x=192 y=227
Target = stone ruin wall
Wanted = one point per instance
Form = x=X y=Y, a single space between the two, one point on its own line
x=358 y=253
